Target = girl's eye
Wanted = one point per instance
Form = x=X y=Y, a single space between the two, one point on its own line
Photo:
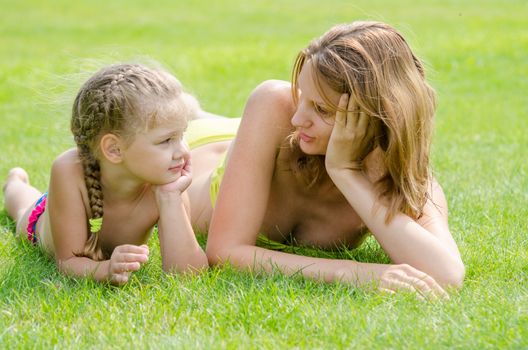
x=173 y=138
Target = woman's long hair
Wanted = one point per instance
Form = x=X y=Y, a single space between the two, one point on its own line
x=373 y=63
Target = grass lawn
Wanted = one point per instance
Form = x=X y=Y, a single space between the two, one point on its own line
x=476 y=53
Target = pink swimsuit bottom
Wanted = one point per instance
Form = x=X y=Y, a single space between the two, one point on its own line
x=40 y=207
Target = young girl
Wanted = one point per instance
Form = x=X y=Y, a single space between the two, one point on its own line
x=128 y=172
x=341 y=151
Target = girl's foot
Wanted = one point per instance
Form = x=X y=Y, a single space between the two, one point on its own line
x=16 y=174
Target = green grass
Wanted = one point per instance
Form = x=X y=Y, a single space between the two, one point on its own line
x=476 y=55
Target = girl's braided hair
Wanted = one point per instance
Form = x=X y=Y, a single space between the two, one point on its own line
x=121 y=99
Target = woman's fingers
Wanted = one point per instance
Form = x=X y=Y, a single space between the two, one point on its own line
x=352 y=114
x=342 y=111
x=406 y=278
x=435 y=287
x=362 y=123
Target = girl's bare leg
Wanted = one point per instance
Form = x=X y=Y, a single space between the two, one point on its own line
x=19 y=195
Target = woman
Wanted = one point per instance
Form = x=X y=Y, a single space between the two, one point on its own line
x=342 y=150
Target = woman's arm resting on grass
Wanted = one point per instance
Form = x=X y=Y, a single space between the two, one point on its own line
x=431 y=250
x=427 y=244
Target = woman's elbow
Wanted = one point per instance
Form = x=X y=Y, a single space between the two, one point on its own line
x=216 y=254
x=219 y=253
x=453 y=276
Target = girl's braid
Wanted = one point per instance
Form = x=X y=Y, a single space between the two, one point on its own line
x=91 y=120
x=118 y=99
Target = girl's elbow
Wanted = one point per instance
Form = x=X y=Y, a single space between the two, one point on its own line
x=194 y=265
x=201 y=264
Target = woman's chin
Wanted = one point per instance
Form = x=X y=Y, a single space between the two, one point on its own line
x=310 y=150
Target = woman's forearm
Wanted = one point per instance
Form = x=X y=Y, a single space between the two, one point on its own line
x=404 y=240
x=253 y=258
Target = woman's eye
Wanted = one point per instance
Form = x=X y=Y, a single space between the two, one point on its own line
x=321 y=111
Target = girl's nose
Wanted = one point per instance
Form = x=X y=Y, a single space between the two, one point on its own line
x=181 y=150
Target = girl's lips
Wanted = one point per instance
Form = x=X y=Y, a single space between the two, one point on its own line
x=177 y=168
x=305 y=137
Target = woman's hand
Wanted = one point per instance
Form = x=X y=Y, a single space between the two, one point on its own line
x=392 y=279
x=404 y=277
x=125 y=259
x=351 y=139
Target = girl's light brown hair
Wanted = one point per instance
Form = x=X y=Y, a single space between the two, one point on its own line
x=122 y=99
x=373 y=63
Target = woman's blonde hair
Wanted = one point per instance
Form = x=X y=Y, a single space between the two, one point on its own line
x=122 y=99
x=373 y=63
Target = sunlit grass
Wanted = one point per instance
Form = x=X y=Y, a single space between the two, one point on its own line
x=476 y=57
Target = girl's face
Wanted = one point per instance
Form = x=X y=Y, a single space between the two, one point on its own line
x=314 y=119
x=158 y=155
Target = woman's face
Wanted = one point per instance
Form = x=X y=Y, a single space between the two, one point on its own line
x=314 y=119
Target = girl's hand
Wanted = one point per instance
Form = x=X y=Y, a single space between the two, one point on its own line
x=178 y=186
x=404 y=277
x=125 y=259
x=351 y=139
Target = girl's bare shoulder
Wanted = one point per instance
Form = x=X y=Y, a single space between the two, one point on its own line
x=68 y=166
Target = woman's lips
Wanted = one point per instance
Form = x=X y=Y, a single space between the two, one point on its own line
x=305 y=137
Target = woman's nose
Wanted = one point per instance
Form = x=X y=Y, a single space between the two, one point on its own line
x=301 y=117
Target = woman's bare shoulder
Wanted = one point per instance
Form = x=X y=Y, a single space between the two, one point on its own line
x=275 y=96
x=269 y=110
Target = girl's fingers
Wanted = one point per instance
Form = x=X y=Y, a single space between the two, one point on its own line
x=130 y=248
x=119 y=279
x=121 y=268
x=131 y=257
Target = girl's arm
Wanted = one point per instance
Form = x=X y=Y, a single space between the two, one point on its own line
x=180 y=252
x=425 y=244
x=68 y=221
x=243 y=197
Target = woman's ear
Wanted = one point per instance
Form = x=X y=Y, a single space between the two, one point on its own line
x=111 y=145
